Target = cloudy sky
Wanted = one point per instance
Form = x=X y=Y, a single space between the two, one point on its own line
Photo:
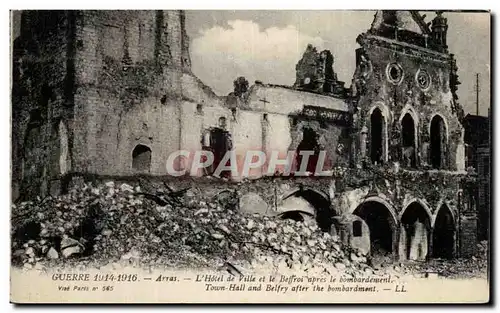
x=266 y=45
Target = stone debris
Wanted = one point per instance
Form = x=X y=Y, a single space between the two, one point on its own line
x=52 y=253
x=69 y=251
x=90 y=226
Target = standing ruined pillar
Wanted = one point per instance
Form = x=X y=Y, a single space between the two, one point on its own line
x=362 y=139
x=418 y=245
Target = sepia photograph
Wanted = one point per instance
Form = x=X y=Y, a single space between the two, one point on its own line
x=250 y=156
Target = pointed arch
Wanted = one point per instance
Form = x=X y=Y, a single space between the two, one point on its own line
x=378 y=116
x=444 y=233
x=422 y=203
x=389 y=206
x=409 y=135
x=443 y=205
x=416 y=220
x=382 y=222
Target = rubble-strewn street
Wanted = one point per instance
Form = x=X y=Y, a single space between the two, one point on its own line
x=122 y=225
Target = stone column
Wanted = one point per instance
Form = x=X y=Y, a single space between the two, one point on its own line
x=362 y=144
x=419 y=240
x=402 y=243
x=430 y=245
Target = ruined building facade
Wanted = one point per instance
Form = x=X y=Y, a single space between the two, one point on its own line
x=112 y=93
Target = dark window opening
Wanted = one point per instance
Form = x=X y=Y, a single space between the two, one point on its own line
x=409 y=148
x=141 y=158
x=309 y=143
x=444 y=235
x=394 y=73
x=381 y=226
x=438 y=142
x=357 y=229
x=376 y=142
x=414 y=214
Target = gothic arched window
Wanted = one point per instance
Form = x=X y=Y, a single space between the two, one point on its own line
x=376 y=136
x=438 y=142
x=409 y=141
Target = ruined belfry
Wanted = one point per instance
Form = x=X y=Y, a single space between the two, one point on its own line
x=111 y=93
x=100 y=92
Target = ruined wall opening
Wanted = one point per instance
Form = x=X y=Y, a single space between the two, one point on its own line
x=381 y=225
x=141 y=158
x=376 y=137
x=408 y=140
x=218 y=141
x=444 y=234
x=309 y=143
x=438 y=142
x=415 y=232
x=309 y=203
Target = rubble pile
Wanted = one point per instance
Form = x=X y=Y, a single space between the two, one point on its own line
x=98 y=224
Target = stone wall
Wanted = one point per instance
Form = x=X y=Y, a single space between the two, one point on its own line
x=42 y=74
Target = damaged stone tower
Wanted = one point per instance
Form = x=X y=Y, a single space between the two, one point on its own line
x=314 y=72
x=92 y=87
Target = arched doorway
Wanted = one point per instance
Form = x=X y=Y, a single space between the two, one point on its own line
x=141 y=159
x=376 y=136
x=306 y=203
x=381 y=224
x=443 y=239
x=415 y=232
x=438 y=142
x=309 y=143
x=408 y=140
